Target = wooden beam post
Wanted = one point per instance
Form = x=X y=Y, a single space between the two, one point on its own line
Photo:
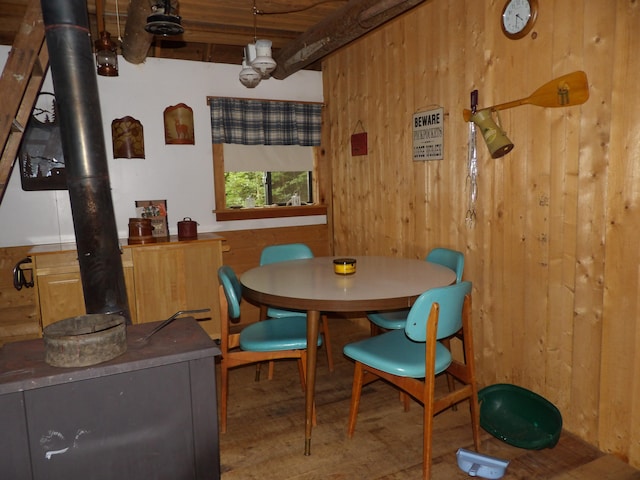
x=344 y=25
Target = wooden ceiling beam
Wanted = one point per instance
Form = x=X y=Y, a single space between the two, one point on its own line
x=344 y=25
x=136 y=41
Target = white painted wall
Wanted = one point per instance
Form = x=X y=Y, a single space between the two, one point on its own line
x=181 y=174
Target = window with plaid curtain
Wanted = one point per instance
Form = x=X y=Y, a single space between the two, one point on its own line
x=265 y=122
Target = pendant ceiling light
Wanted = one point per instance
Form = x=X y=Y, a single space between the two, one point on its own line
x=249 y=77
x=258 y=62
x=162 y=21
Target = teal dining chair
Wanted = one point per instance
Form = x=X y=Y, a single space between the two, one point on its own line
x=283 y=253
x=410 y=359
x=268 y=340
x=396 y=319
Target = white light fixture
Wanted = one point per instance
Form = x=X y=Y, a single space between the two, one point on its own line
x=263 y=63
x=257 y=57
x=248 y=76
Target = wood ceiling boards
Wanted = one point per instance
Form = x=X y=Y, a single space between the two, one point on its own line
x=217 y=31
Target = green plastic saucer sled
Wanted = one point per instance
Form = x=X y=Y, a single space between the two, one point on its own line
x=519 y=416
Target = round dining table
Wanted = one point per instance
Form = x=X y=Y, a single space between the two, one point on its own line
x=379 y=283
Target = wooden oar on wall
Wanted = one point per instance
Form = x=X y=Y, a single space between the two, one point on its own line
x=565 y=91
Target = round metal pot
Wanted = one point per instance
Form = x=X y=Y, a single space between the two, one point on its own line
x=84 y=340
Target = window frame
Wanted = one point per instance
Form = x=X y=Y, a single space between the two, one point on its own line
x=227 y=214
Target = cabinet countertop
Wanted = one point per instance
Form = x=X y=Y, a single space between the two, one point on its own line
x=173 y=239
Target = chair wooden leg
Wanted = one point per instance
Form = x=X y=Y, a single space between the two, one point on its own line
x=427 y=429
x=374 y=329
x=466 y=336
x=427 y=439
x=327 y=341
x=406 y=400
x=263 y=316
x=451 y=381
x=356 y=390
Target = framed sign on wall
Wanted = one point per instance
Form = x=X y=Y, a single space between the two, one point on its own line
x=428 y=134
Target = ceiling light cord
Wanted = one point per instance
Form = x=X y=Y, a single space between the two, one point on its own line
x=255 y=21
x=296 y=10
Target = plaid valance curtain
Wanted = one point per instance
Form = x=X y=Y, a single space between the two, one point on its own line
x=263 y=122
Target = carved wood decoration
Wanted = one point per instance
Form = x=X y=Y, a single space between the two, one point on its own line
x=338 y=29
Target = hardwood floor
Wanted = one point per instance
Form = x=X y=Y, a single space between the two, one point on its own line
x=265 y=433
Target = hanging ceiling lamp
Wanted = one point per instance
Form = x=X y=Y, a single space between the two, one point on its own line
x=249 y=77
x=258 y=62
x=106 y=49
x=162 y=21
x=264 y=62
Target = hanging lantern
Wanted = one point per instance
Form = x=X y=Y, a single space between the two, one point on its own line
x=106 y=55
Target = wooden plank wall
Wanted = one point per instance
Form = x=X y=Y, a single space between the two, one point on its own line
x=554 y=252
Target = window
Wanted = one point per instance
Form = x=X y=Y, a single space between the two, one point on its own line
x=264 y=156
x=234 y=181
x=259 y=175
x=257 y=189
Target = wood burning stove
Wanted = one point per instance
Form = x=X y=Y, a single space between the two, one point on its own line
x=149 y=413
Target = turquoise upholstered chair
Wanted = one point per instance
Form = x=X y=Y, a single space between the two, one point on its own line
x=283 y=253
x=410 y=359
x=267 y=340
x=396 y=319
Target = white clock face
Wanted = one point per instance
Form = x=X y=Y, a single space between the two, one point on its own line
x=516 y=16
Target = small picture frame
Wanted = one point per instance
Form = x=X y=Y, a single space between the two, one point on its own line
x=156 y=210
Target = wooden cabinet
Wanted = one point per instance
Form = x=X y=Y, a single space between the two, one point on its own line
x=161 y=279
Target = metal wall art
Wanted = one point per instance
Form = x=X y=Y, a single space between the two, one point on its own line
x=41 y=159
x=127 y=136
x=178 y=125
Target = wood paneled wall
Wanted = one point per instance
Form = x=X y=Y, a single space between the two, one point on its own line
x=554 y=252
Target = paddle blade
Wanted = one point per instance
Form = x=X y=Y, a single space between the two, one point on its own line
x=565 y=91
x=568 y=90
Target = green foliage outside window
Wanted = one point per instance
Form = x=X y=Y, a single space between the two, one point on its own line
x=240 y=185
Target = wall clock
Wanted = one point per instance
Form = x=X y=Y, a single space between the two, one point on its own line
x=518 y=17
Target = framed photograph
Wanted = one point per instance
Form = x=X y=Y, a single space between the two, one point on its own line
x=156 y=210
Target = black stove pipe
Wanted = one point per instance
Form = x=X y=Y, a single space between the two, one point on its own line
x=76 y=89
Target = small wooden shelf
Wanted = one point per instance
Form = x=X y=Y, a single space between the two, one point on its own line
x=269 y=212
